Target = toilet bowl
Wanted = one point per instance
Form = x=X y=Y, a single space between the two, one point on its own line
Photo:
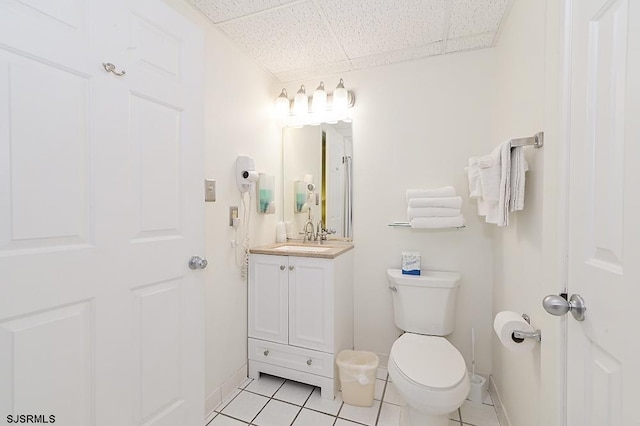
x=431 y=376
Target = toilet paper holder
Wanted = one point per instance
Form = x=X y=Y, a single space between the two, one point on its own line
x=519 y=336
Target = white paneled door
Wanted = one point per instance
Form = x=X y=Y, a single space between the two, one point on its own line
x=101 y=319
x=604 y=207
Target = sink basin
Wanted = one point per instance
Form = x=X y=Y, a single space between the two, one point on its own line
x=306 y=249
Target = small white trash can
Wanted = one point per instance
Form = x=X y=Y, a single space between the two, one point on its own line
x=357 y=376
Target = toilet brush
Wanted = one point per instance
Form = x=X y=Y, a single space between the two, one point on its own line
x=473 y=353
x=477 y=393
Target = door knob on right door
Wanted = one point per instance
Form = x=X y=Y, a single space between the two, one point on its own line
x=558 y=305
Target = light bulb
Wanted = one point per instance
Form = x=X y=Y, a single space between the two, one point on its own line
x=301 y=102
x=340 y=98
x=282 y=104
x=319 y=100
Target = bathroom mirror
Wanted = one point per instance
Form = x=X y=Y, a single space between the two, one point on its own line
x=317 y=175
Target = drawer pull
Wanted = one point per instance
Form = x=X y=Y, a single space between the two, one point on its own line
x=291 y=267
x=282 y=267
x=309 y=361
x=266 y=353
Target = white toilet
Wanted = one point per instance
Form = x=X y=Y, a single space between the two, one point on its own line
x=426 y=369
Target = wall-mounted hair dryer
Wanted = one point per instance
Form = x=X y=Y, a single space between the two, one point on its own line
x=246 y=175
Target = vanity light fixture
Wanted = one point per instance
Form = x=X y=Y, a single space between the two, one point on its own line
x=282 y=104
x=319 y=100
x=325 y=108
x=301 y=102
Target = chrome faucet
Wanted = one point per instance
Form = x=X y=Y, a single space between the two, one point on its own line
x=308 y=232
x=321 y=233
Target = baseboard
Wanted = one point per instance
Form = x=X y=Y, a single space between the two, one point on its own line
x=503 y=418
x=215 y=398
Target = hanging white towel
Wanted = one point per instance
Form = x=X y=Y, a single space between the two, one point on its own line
x=413 y=212
x=437 y=222
x=445 y=191
x=473 y=175
x=450 y=202
x=519 y=166
x=497 y=181
x=511 y=181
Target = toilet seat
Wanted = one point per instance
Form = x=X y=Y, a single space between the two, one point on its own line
x=428 y=361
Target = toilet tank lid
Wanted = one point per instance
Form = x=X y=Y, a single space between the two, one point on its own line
x=427 y=278
x=430 y=361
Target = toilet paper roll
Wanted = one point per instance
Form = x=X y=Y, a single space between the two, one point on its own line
x=505 y=323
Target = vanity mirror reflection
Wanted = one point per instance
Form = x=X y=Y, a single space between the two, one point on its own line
x=316 y=177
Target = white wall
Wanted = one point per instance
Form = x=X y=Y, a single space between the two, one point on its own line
x=414 y=126
x=238 y=117
x=518 y=250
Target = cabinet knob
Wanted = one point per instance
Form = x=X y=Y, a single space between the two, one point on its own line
x=309 y=361
x=291 y=267
x=282 y=267
x=266 y=353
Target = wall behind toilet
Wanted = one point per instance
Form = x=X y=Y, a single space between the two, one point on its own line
x=414 y=126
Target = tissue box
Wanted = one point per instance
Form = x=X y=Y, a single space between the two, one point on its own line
x=411 y=263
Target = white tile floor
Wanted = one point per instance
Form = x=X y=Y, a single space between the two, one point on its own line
x=272 y=401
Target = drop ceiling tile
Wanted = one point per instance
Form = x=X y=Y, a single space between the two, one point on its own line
x=473 y=42
x=368 y=27
x=286 y=38
x=476 y=16
x=321 y=70
x=398 y=56
x=223 y=10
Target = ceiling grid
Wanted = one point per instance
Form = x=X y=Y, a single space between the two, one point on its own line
x=301 y=39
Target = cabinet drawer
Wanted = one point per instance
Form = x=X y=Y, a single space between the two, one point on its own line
x=291 y=357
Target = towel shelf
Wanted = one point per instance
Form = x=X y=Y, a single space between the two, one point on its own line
x=408 y=225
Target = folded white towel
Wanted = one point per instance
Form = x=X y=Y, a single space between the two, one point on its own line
x=451 y=202
x=413 y=212
x=437 y=222
x=445 y=191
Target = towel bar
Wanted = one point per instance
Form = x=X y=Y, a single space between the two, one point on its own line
x=536 y=140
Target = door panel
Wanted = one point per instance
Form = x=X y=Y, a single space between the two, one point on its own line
x=45 y=195
x=156 y=149
x=311 y=304
x=157 y=315
x=100 y=211
x=603 y=226
x=269 y=298
x=32 y=379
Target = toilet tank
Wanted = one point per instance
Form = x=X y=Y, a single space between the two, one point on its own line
x=424 y=304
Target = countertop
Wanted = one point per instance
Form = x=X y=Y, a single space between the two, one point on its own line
x=326 y=250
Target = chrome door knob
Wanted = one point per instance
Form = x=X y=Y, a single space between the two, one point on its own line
x=558 y=306
x=197 y=262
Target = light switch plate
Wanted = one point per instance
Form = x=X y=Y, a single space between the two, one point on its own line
x=209 y=190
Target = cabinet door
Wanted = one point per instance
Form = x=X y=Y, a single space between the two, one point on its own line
x=268 y=297
x=311 y=303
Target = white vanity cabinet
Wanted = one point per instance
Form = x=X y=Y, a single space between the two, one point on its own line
x=300 y=317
